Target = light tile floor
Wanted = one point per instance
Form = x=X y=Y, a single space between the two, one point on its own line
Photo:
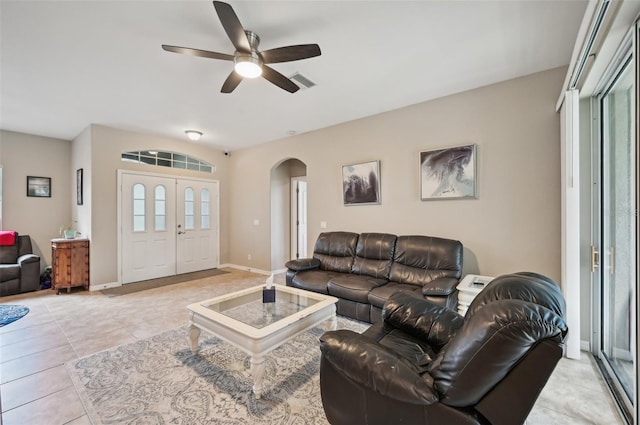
x=36 y=390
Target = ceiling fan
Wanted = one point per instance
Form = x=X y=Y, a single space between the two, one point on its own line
x=249 y=61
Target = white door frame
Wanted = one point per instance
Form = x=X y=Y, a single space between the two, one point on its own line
x=295 y=248
x=120 y=172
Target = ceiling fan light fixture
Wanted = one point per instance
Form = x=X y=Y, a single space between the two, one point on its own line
x=193 y=134
x=248 y=66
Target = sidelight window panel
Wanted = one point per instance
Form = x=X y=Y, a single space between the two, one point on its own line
x=138 y=207
x=205 y=219
x=189 y=219
x=160 y=209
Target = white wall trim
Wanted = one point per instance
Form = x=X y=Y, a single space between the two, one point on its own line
x=570 y=217
x=102 y=286
x=247 y=269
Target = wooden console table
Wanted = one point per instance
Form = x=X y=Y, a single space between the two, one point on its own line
x=70 y=264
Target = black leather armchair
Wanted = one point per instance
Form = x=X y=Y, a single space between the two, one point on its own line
x=19 y=267
x=425 y=364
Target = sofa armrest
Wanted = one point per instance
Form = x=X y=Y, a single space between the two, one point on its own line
x=376 y=367
x=29 y=272
x=28 y=258
x=442 y=286
x=302 y=264
x=421 y=318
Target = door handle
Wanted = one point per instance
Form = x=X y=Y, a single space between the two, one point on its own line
x=595 y=258
x=180 y=232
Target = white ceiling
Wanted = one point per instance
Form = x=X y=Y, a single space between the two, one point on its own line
x=67 y=64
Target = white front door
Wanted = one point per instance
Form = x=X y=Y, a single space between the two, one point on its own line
x=168 y=226
x=148 y=227
x=197 y=225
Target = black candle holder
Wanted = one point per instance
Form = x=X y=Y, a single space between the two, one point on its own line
x=268 y=295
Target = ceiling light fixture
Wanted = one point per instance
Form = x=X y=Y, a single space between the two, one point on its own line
x=248 y=65
x=193 y=134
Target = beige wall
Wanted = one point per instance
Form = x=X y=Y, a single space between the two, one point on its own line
x=81 y=158
x=25 y=155
x=513 y=225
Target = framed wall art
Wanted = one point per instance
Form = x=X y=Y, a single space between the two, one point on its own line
x=448 y=173
x=79 y=176
x=361 y=183
x=40 y=187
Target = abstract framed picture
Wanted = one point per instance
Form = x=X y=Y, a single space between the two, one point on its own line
x=448 y=173
x=40 y=187
x=361 y=183
x=79 y=178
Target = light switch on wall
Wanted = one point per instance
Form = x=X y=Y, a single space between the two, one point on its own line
x=256 y=222
x=323 y=224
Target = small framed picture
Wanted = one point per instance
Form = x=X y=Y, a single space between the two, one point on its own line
x=448 y=173
x=79 y=186
x=361 y=183
x=39 y=187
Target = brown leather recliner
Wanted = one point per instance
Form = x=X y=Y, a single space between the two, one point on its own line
x=19 y=267
x=425 y=364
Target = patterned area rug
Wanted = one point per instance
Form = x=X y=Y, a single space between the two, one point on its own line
x=9 y=313
x=159 y=381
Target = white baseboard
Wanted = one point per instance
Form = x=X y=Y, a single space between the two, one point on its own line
x=251 y=269
x=247 y=269
x=102 y=286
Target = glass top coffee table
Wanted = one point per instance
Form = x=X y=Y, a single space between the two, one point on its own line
x=242 y=319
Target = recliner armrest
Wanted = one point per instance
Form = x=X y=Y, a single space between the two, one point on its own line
x=302 y=264
x=28 y=258
x=442 y=286
x=375 y=366
x=421 y=318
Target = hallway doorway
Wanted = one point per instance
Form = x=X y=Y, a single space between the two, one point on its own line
x=288 y=212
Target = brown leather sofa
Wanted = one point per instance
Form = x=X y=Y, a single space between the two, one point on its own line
x=364 y=270
x=425 y=364
x=19 y=267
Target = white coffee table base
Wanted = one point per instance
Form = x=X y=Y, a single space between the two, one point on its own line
x=257 y=343
x=257 y=361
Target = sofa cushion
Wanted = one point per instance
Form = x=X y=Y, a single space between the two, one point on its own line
x=420 y=259
x=313 y=280
x=9 y=272
x=336 y=250
x=378 y=296
x=353 y=287
x=374 y=253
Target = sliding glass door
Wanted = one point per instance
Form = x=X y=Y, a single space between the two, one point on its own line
x=616 y=233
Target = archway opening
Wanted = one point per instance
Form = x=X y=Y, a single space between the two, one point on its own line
x=288 y=212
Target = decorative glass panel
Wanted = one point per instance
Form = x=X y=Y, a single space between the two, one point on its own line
x=205 y=221
x=168 y=159
x=138 y=208
x=160 y=207
x=189 y=221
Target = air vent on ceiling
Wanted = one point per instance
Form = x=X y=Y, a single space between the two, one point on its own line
x=302 y=81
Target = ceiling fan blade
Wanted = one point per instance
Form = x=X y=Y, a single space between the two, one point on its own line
x=279 y=80
x=197 y=52
x=291 y=53
x=231 y=82
x=232 y=26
